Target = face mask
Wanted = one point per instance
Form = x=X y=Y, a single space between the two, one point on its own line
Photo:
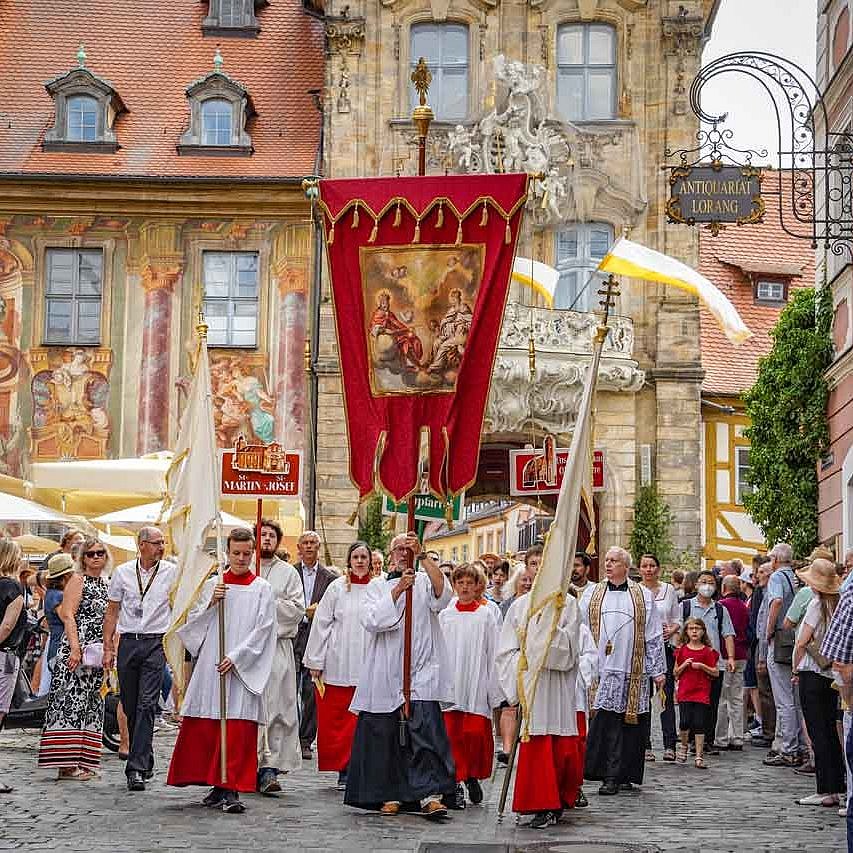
x=707 y=590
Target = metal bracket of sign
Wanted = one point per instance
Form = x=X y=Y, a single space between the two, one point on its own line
x=816 y=204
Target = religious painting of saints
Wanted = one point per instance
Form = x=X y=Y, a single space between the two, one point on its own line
x=418 y=309
x=241 y=403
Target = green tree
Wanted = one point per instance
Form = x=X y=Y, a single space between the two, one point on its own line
x=371 y=527
x=789 y=431
x=652 y=523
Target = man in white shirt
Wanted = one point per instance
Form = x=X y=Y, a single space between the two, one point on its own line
x=139 y=605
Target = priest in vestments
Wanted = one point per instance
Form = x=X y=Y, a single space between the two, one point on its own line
x=628 y=635
x=550 y=757
x=278 y=737
x=418 y=772
x=250 y=640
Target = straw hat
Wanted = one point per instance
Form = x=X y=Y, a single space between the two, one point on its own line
x=821 y=576
x=821 y=553
x=59 y=565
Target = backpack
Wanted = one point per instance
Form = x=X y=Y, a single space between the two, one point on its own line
x=687 y=606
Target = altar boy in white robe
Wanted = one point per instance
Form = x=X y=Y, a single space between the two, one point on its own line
x=628 y=634
x=396 y=764
x=471 y=629
x=278 y=737
x=250 y=639
x=550 y=756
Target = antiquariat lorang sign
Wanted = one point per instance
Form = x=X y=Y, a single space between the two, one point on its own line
x=715 y=195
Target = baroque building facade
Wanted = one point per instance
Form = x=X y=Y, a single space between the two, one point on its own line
x=151 y=164
x=591 y=94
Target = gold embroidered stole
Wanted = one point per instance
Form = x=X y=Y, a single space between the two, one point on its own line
x=638 y=653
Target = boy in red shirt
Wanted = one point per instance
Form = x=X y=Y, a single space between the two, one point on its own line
x=695 y=667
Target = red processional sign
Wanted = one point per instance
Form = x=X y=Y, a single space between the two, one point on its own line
x=260 y=471
x=536 y=471
x=420 y=269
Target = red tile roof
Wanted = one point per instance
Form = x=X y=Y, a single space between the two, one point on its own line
x=731 y=370
x=150 y=52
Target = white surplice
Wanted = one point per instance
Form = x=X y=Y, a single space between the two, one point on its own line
x=249 y=643
x=587 y=668
x=617 y=628
x=380 y=684
x=555 y=705
x=472 y=643
x=337 y=641
x=278 y=740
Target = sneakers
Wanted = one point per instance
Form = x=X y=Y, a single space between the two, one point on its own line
x=456 y=800
x=268 y=781
x=811 y=800
x=842 y=812
x=214 y=797
x=608 y=788
x=781 y=760
x=581 y=802
x=503 y=758
x=475 y=791
x=231 y=803
x=135 y=782
x=542 y=820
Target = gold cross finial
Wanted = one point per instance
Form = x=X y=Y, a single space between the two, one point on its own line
x=422 y=78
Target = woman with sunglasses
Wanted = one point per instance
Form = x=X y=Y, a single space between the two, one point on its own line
x=71 y=738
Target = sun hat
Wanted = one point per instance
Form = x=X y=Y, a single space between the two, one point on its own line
x=821 y=576
x=59 y=565
x=746 y=577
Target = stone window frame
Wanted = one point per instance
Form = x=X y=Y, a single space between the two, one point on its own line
x=470 y=44
x=212 y=24
x=613 y=68
x=82 y=82
x=41 y=244
x=218 y=86
x=584 y=261
x=231 y=301
x=465 y=16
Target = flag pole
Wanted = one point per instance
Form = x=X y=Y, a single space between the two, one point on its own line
x=422 y=117
x=201 y=331
x=608 y=294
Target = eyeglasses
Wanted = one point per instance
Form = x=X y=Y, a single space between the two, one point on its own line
x=92 y=554
x=155 y=542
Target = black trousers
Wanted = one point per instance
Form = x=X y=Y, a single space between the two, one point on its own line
x=667 y=715
x=820 y=703
x=716 y=690
x=307 y=707
x=614 y=748
x=141 y=663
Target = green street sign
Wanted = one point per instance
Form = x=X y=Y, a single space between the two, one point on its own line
x=427 y=508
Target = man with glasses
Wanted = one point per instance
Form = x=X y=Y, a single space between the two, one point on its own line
x=138 y=603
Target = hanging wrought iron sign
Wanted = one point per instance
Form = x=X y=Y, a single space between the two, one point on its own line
x=714 y=194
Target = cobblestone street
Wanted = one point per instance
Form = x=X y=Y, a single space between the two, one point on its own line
x=737 y=805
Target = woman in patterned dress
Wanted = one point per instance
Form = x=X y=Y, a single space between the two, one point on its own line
x=71 y=739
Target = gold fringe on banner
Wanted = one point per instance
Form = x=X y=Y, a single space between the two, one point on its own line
x=355 y=216
x=439 y=219
x=459 y=234
x=398 y=218
x=484 y=218
x=417 y=237
x=507 y=233
x=374 y=232
x=331 y=238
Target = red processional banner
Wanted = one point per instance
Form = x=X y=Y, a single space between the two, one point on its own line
x=420 y=269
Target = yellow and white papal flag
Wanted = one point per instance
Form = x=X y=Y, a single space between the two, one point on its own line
x=635 y=261
x=538 y=276
x=191 y=508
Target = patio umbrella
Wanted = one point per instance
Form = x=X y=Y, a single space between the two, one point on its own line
x=32 y=544
x=140 y=515
x=15 y=509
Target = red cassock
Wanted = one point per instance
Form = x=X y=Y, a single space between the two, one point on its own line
x=550 y=771
x=472 y=743
x=195 y=760
x=335 y=727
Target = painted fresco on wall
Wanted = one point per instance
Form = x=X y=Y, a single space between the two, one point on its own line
x=11 y=443
x=242 y=404
x=70 y=390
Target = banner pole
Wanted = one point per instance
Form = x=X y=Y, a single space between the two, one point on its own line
x=407 y=634
x=260 y=515
x=510 y=765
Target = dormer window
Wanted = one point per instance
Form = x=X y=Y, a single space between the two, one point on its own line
x=219 y=110
x=232 y=18
x=86 y=110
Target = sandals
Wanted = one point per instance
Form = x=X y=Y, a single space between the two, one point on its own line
x=78 y=774
x=650 y=756
x=681 y=754
x=669 y=754
x=700 y=763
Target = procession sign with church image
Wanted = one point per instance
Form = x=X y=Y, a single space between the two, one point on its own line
x=260 y=471
x=715 y=195
x=539 y=471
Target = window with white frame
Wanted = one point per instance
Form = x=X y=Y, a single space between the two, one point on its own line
x=586 y=72
x=769 y=291
x=216 y=121
x=74 y=283
x=464 y=553
x=580 y=248
x=742 y=484
x=231 y=298
x=454 y=553
x=82 y=116
x=444 y=46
